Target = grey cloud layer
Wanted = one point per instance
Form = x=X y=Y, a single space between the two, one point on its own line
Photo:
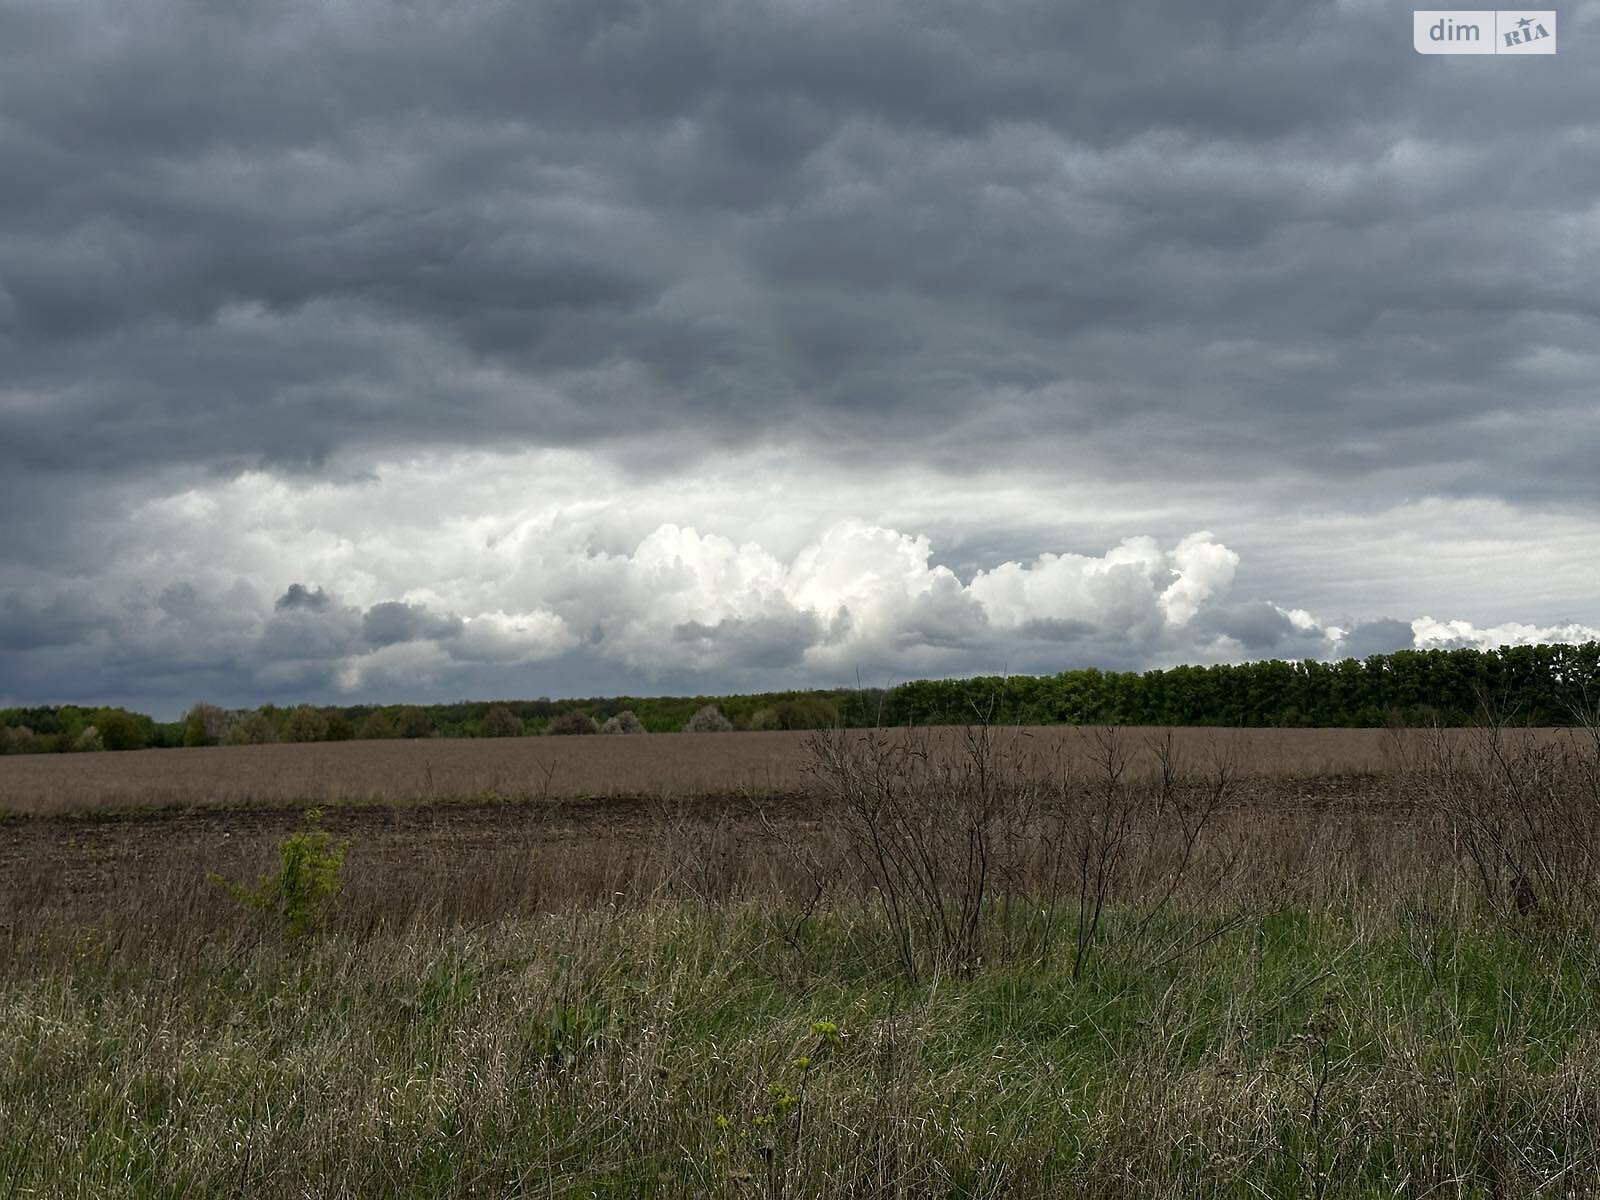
x=237 y=234
x=1153 y=245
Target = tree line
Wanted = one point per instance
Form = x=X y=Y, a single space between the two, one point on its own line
x=1536 y=685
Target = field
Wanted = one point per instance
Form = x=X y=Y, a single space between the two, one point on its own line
x=1059 y=963
x=660 y=765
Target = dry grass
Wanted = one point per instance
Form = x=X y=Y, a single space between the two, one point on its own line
x=620 y=999
x=662 y=765
x=518 y=1023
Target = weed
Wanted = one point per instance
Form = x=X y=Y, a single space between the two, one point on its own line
x=299 y=894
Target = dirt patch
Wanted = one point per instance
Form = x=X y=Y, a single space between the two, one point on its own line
x=92 y=859
x=548 y=768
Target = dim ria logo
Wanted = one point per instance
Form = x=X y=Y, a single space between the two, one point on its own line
x=1471 y=31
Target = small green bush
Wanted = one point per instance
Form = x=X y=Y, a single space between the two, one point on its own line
x=299 y=894
x=563 y=1037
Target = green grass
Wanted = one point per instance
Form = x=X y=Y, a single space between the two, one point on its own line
x=1402 y=1048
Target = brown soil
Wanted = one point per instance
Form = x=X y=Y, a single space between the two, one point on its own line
x=90 y=859
x=573 y=767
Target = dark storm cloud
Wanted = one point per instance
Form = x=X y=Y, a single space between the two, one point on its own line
x=1056 y=629
x=267 y=234
x=392 y=621
x=755 y=643
x=299 y=596
x=1377 y=637
x=165 y=650
x=1262 y=629
x=26 y=624
x=301 y=635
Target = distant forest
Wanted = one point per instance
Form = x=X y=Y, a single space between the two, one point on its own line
x=1534 y=685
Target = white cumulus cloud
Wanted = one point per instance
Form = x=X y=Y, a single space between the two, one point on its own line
x=543 y=574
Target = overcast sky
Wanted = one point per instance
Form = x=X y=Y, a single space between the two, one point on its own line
x=373 y=350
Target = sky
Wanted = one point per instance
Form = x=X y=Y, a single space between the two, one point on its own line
x=380 y=350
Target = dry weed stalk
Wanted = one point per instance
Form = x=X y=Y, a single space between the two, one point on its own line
x=1523 y=814
x=951 y=842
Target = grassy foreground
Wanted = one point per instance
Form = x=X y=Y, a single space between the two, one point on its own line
x=955 y=978
x=1399 y=1049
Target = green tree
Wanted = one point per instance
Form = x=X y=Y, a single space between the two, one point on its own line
x=624 y=722
x=376 y=726
x=306 y=724
x=413 y=722
x=500 y=721
x=708 y=719
x=251 y=729
x=572 y=722
x=204 y=725
x=120 y=729
x=805 y=712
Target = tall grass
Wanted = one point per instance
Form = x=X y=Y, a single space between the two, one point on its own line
x=1347 y=1013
